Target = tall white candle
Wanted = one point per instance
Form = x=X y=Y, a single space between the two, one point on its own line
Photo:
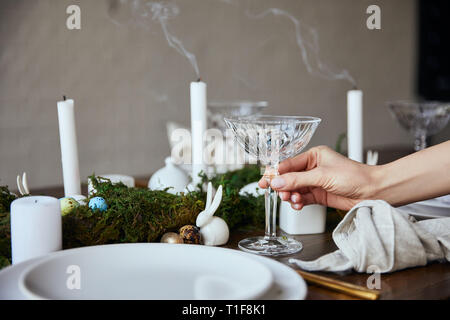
x=35 y=227
x=355 y=125
x=198 y=128
x=69 y=149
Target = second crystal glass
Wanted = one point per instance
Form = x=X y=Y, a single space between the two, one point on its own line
x=272 y=139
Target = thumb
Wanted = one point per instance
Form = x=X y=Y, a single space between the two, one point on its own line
x=296 y=180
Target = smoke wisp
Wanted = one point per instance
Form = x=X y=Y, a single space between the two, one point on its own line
x=307 y=39
x=141 y=11
x=308 y=42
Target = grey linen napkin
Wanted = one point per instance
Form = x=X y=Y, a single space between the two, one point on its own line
x=375 y=235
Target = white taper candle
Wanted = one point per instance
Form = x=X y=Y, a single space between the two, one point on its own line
x=35 y=227
x=198 y=128
x=355 y=125
x=69 y=149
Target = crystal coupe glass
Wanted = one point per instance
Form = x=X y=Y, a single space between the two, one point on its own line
x=422 y=119
x=272 y=139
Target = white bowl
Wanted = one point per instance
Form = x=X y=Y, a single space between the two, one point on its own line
x=147 y=271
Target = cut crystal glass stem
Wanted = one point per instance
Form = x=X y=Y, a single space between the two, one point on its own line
x=420 y=142
x=271 y=205
x=271 y=213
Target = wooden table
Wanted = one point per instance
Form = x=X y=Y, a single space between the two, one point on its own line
x=430 y=282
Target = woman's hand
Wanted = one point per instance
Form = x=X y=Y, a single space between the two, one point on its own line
x=322 y=176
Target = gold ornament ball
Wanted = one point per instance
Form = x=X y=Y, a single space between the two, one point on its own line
x=171 y=237
x=190 y=234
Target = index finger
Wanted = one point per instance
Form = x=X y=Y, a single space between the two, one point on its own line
x=298 y=163
x=263 y=184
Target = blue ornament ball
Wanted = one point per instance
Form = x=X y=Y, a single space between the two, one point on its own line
x=98 y=203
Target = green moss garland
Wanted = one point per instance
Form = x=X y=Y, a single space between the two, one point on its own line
x=5 y=232
x=133 y=215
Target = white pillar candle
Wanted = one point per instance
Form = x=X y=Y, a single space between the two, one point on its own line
x=310 y=220
x=69 y=149
x=35 y=227
x=355 y=125
x=198 y=128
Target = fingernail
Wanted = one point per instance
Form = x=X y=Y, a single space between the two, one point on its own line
x=278 y=183
x=297 y=206
x=294 y=198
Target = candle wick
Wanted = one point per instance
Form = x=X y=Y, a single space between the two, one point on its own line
x=64 y=97
x=199 y=79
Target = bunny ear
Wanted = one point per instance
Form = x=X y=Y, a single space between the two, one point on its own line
x=208 y=196
x=216 y=202
x=375 y=158
x=205 y=216
x=19 y=185
x=25 y=183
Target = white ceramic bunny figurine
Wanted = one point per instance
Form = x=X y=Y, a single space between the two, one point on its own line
x=214 y=230
x=372 y=158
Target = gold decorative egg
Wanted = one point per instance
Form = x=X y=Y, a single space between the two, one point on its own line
x=171 y=237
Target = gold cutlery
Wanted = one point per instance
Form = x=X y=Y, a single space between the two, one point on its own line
x=340 y=286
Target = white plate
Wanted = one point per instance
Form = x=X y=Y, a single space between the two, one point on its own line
x=147 y=271
x=286 y=285
x=435 y=204
x=421 y=211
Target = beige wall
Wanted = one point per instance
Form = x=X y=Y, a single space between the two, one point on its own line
x=127 y=82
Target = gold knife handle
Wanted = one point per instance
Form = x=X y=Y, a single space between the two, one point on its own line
x=340 y=286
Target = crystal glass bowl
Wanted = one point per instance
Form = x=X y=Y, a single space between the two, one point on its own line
x=421 y=119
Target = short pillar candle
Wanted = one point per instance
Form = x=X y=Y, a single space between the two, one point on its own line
x=36 y=227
